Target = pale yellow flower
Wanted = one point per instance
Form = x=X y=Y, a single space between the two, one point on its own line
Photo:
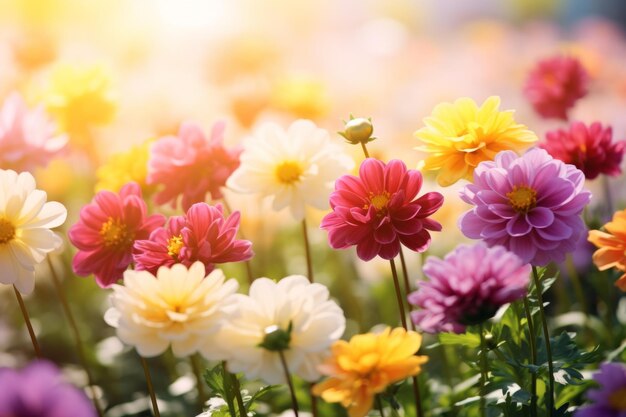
x=124 y=167
x=460 y=135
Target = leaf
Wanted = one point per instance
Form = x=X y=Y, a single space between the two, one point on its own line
x=465 y=339
x=249 y=400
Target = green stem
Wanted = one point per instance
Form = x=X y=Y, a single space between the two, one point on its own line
x=238 y=397
x=146 y=372
x=365 y=152
x=575 y=278
x=546 y=335
x=292 y=391
x=29 y=326
x=407 y=285
x=533 y=358
x=197 y=371
x=483 y=371
x=379 y=405
x=74 y=327
x=307 y=248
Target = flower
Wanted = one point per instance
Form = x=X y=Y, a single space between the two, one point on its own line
x=39 y=391
x=79 y=98
x=612 y=246
x=555 y=84
x=378 y=211
x=25 y=222
x=366 y=365
x=203 y=234
x=292 y=315
x=106 y=231
x=125 y=167
x=358 y=130
x=460 y=135
x=27 y=137
x=589 y=148
x=178 y=307
x=295 y=168
x=468 y=287
x=531 y=205
x=609 y=399
x=190 y=165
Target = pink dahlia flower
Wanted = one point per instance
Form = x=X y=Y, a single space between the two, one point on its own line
x=378 y=211
x=467 y=287
x=554 y=86
x=203 y=234
x=190 y=165
x=28 y=138
x=530 y=204
x=106 y=231
x=589 y=148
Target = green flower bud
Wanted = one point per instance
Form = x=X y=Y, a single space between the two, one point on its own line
x=358 y=130
x=276 y=339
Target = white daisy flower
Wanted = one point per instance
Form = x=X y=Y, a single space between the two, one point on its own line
x=306 y=322
x=25 y=222
x=178 y=307
x=296 y=168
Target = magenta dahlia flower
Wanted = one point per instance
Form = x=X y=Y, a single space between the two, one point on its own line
x=530 y=204
x=39 y=391
x=589 y=148
x=106 y=231
x=608 y=400
x=28 y=138
x=467 y=287
x=203 y=234
x=555 y=84
x=190 y=165
x=378 y=211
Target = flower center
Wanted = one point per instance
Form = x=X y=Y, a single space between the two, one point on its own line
x=7 y=231
x=380 y=201
x=522 y=198
x=617 y=400
x=174 y=245
x=289 y=172
x=116 y=235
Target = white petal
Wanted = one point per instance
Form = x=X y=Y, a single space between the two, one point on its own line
x=52 y=214
x=8 y=266
x=25 y=282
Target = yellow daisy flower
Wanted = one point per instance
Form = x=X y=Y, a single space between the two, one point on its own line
x=366 y=365
x=124 y=167
x=460 y=135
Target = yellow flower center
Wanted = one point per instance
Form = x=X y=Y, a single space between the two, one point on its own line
x=7 y=231
x=522 y=198
x=380 y=201
x=116 y=235
x=289 y=172
x=617 y=400
x=174 y=245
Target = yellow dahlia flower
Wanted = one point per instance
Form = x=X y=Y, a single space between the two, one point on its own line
x=124 y=167
x=460 y=135
x=366 y=365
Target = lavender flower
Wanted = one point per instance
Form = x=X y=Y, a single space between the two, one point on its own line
x=610 y=399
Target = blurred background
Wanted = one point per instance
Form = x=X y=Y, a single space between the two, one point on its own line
x=136 y=69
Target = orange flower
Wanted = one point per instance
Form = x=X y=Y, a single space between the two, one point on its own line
x=366 y=365
x=612 y=252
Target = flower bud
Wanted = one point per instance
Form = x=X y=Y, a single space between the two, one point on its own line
x=358 y=130
x=276 y=339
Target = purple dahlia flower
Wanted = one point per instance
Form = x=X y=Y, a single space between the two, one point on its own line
x=39 y=391
x=530 y=204
x=610 y=399
x=467 y=287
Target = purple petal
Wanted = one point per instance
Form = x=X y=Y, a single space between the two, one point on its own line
x=540 y=217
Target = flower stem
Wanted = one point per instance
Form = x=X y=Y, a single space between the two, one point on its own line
x=74 y=327
x=307 y=248
x=533 y=358
x=238 y=397
x=546 y=336
x=379 y=405
x=146 y=372
x=608 y=198
x=292 y=391
x=29 y=326
x=483 y=370
x=407 y=285
x=313 y=400
x=396 y=284
x=578 y=289
x=195 y=365
x=365 y=152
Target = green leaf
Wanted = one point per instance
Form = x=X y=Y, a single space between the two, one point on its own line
x=465 y=339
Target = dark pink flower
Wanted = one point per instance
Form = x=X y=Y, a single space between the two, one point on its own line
x=28 y=138
x=468 y=287
x=190 y=165
x=203 y=234
x=106 y=231
x=555 y=84
x=378 y=211
x=589 y=148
